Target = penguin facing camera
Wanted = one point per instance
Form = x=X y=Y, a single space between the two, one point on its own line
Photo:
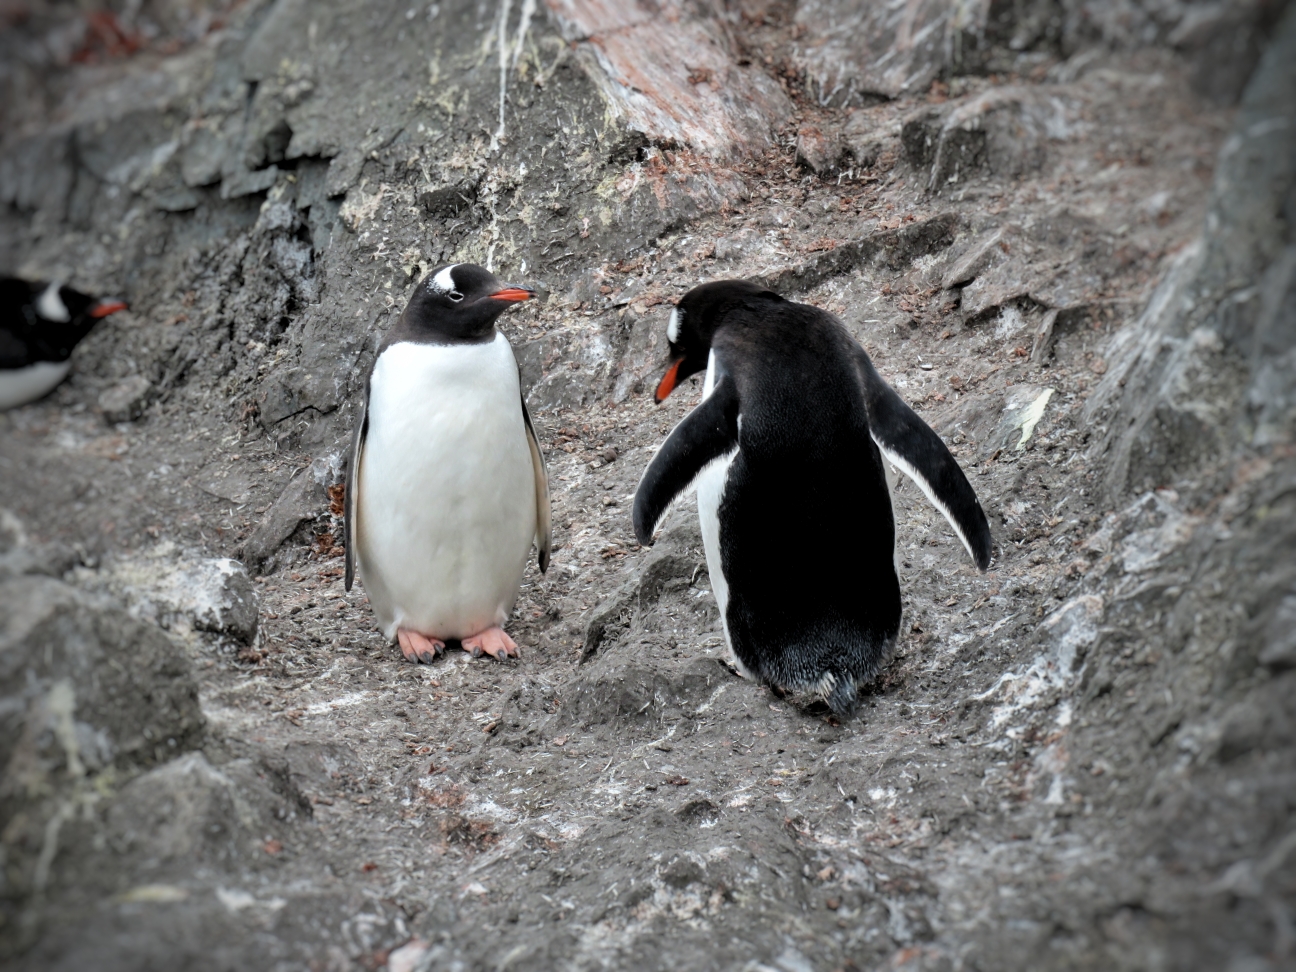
x=446 y=486
x=787 y=449
x=40 y=324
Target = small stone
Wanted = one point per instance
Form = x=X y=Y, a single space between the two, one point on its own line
x=126 y=400
x=409 y=956
x=820 y=153
x=1279 y=651
x=682 y=873
x=215 y=595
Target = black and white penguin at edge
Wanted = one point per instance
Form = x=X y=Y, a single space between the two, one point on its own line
x=787 y=450
x=40 y=324
x=446 y=486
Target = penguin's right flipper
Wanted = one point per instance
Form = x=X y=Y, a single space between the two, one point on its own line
x=911 y=445
x=707 y=433
x=544 y=523
x=351 y=502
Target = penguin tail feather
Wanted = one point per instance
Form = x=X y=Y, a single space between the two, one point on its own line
x=843 y=697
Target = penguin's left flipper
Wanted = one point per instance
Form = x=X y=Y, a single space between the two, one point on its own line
x=544 y=523
x=351 y=502
x=911 y=445
x=706 y=434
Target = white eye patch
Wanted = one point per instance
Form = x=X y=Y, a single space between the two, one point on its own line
x=50 y=306
x=673 y=328
x=443 y=282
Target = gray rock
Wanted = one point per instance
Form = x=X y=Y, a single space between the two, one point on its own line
x=19 y=555
x=1005 y=131
x=675 y=562
x=1205 y=344
x=1060 y=260
x=181 y=593
x=821 y=152
x=185 y=811
x=1279 y=650
x=859 y=48
x=82 y=684
x=644 y=358
x=218 y=596
x=246 y=183
x=675 y=79
x=1024 y=408
x=126 y=400
x=304 y=498
x=1071 y=630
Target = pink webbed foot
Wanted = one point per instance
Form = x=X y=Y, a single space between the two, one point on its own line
x=493 y=642
x=419 y=648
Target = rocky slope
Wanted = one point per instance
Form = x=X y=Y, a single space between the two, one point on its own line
x=1063 y=232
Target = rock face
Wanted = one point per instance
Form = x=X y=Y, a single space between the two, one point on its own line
x=1209 y=364
x=669 y=72
x=1061 y=231
x=89 y=686
x=88 y=694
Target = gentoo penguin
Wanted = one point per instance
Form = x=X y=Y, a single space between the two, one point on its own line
x=446 y=487
x=40 y=324
x=786 y=449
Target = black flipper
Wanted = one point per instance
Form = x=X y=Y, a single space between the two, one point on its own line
x=706 y=434
x=350 y=500
x=544 y=525
x=912 y=447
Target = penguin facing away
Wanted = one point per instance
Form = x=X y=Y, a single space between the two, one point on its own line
x=446 y=486
x=40 y=324
x=786 y=449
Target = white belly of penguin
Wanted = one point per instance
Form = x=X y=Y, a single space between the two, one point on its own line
x=710 y=484
x=446 y=489
x=18 y=386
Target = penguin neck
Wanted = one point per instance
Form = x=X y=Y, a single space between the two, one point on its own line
x=440 y=328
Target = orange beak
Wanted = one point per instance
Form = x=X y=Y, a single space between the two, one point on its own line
x=667 y=384
x=106 y=307
x=511 y=295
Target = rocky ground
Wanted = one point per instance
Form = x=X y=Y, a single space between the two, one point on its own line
x=1061 y=232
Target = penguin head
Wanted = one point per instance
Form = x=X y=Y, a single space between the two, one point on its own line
x=64 y=316
x=461 y=301
x=694 y=322
x=63 y=305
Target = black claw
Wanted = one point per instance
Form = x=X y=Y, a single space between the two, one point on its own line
x=427 y=657
x=476 y=652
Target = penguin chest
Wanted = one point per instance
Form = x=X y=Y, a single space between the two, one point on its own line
x=711 y=484
x=18 y=386
x=446 y=490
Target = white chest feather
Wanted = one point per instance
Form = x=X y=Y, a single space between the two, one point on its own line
x=18 y=386
x=446 y=493
x=710 y=493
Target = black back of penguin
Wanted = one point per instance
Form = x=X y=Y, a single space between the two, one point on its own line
x=806 y=527
x=805 y=522
x=44 y=322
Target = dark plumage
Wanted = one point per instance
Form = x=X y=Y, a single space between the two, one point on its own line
x=40 y=324
x=787 y=449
